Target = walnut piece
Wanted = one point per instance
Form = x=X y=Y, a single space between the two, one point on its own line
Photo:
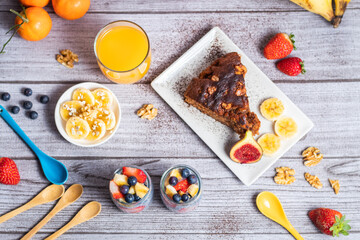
x=313 y=180
x=284 y=175
x=335 y=185
x=312 y=156
x=239 y=70
x=67 y=58
x=215 y=78
x=226 y=106
x=147 y=112
x=211 y=90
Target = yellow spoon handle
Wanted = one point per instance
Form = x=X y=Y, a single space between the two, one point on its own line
x=293 y=232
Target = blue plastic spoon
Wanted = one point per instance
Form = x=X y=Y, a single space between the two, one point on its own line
x=54 y=170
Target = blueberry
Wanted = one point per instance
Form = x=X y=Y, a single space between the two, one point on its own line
x=173 y=181
x=192 y=179
x=33 y=115
x=132 y=181
x=185 y=198
x=185 y=173
x=129 y=198
x=27 y=92
x=136 y=198
x=15 y=109
x=124 y=189
x=27 y=104
x=5 y=96
x=176 y=198
x=44 y=99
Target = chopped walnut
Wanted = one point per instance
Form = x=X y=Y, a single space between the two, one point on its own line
x=89 y=112
x=147 y=111
x=226 y=106
x=211 y=90
x=239 y=70
x=67 y=58
x=284 y=175
x=313 y=180
x=312 y=156
x=215 y=78
x=335 y=185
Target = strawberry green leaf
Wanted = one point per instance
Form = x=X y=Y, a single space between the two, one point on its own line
x=340 y=226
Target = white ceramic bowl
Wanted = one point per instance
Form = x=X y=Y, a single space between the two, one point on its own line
x=67 y=96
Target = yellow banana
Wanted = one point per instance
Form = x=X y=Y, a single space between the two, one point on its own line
x=321 y=7
x=340 y=7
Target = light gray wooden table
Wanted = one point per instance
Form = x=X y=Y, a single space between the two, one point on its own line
x=328 y=93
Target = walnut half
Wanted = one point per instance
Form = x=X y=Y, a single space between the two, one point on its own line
x=313 y=180
x=67 y=58
x=147 y=111
x=335 y=185
x=284 y=175
x=240 y=70
x=312 y=156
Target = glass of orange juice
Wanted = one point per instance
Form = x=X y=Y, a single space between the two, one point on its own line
x=122 y=50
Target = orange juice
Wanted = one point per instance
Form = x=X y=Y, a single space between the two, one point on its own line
x=123 y=52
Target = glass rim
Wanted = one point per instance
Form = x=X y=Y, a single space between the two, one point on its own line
x=127 y=21
x=134 y=204
x=166 y=173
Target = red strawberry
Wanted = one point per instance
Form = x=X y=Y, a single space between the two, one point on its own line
x=182 y=185
x=135 y=172
x=291 y=66
x=115 y=191
x=9 y=173
x=329 y=221
x=279 y=46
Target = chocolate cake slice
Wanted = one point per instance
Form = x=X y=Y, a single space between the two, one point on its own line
x=220 y=92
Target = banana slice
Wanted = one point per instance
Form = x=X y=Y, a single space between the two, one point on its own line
x=272 y=108
x=70 y=109
x=103 y=97
x=84 y=95
x=108 y=117
x=270 y=143
x=285 y=127
x=77 y=128
x=97 y=129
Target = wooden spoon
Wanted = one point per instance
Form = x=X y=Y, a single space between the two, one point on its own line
x=89 y=211
x=72 y=194
x=48 y=194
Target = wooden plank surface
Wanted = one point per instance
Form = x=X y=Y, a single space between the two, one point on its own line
x=337 y=108
x=224 y=211
x=329 y=54
x=329 y=94
x=184 y=6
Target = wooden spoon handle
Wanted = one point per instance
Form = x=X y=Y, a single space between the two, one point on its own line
x=38 y=226
x=61 y=231
x=15 y=212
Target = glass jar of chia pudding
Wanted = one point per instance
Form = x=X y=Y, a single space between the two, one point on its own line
x=181 y=188
x=131 y=189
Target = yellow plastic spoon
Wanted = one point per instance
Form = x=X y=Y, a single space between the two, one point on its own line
x=89 y=211
x=72 y=194
x=269 y=205
x=48 y=194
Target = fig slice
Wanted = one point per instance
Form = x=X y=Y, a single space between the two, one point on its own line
x=247 y=150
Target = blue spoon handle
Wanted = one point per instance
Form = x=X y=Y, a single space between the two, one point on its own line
x=9 y=120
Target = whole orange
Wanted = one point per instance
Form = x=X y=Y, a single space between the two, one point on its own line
x=71 y=9
x=37 y=25
x=34 y=3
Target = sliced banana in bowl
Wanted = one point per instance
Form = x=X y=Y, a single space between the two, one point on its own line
x=94 y=112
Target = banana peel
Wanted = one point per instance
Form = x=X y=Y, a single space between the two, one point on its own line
x=340 y=7
x=324 y=8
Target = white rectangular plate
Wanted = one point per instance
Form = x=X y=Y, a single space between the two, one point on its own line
x=172 y=83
